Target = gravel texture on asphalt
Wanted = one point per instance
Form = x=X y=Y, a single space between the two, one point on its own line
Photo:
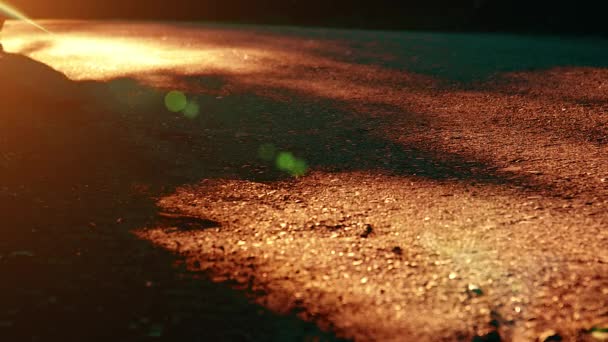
x=403 y=186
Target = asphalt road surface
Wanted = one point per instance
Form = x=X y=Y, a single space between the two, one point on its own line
x=184 y=181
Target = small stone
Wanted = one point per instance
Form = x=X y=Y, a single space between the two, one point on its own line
x=368 y=229
x=549 y=335
x=474 y=290
x=429 y=285
x=510 y=169
x=492 y=336
x=364 y=280
x=397 y=250
x=452 y=276
x=600 y=333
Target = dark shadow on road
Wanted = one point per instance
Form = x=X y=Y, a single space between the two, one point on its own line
x=74 y=185
x=330 y=134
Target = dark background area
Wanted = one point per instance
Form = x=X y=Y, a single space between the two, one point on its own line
x=523 y=16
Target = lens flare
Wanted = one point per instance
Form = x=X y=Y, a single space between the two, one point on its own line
x=192 y=110
x=267 y=152
x=12 y=12
x=287 y=162
x=176 y=101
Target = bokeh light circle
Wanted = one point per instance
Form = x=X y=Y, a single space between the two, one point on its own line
x=176 y=101
x=285 y=161
x=267 y=152
x=192 y=110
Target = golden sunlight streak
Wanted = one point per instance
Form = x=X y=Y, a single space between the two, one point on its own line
x=91 y=56
x=12 y=12
x=82 y=56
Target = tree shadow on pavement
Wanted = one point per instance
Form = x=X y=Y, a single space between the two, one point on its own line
x=237 y=120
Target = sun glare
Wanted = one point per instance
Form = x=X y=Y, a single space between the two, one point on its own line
x=88 y=56
x=12 y=12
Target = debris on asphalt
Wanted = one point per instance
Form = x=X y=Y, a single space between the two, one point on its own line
x=549 y=335
x=492 y=336
x=600 y=333
x=367 y=231
x=474 y=290
x=397 y=250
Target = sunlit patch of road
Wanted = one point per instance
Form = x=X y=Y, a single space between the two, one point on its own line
x=439 y=258
x=102 y=55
